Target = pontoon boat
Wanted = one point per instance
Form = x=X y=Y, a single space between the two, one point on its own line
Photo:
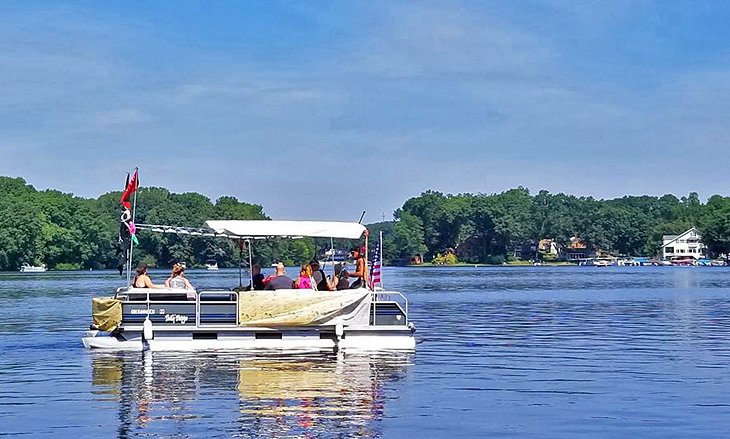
x=177 y=319
x=27 y=268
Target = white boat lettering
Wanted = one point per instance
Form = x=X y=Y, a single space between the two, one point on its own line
x=143 y=311
x=176 y=318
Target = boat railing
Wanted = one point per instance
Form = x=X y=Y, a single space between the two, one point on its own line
x=389 y=296
x=214 y=298
x=203 y=308
x=150 y=295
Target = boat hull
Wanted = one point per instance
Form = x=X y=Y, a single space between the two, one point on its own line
x=366 y=338
x=168 y=320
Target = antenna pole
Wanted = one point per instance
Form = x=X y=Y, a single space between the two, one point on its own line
x=250 y=261
x=240 y=263
x=332 y=255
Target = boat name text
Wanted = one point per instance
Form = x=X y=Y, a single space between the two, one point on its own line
x=176 y=318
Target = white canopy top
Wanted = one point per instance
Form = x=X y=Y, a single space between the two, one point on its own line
x=313 y=229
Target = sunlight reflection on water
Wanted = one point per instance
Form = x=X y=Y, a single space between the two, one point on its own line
x=243 y=395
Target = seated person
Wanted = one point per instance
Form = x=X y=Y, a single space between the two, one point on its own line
x=358 y=255
x=257 y=278
x=281 y=281
x=177 y=278
x=340 y=281
x=320 y=278
x=142 y=280
x=305 y=281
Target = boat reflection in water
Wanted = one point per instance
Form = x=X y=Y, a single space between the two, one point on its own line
x=260 y=395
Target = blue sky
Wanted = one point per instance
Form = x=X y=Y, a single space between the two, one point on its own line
x=319 y=110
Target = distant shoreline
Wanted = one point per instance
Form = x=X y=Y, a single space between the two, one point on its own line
x=512 y=264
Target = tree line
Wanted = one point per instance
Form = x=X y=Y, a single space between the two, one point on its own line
x=485 y=228
x=68 y=232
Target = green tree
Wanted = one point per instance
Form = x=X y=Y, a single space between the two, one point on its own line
x=408 y=235
x=715 y=230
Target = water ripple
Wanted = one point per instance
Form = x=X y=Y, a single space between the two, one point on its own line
x=538 y=351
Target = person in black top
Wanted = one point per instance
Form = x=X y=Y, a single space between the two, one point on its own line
x=320 y=278
x=142 y=280
x=257 y=277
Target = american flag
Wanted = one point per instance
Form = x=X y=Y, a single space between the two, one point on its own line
x=375 y=268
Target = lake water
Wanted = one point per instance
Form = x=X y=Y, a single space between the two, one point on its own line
x=520 y=352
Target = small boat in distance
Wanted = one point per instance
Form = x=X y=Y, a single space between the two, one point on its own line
x=597 y=262
x=332 y=257
x=27 y=268
x=211 y=265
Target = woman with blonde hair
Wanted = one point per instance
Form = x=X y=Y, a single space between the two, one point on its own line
x=305 y=281
x=177 y=278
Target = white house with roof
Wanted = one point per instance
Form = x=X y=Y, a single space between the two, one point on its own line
x=688 y=244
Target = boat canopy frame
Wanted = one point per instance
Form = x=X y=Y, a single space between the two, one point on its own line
x=250 y=230
x=263 y=229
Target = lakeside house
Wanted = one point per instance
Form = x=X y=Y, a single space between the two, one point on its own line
x=576 y=250
x=524 y=251
x=686 y=245
x=416 y=259
x=549 y=247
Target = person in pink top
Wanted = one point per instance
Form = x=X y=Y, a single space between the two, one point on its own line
x=305 y=281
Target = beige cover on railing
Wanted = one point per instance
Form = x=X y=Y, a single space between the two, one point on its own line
x=296 y=307
x=107 y=313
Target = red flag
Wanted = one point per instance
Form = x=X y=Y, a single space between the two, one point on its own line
x=132 y=186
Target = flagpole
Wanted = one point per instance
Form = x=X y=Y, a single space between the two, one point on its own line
x=380 y=244
x=366 y=274
x=134 y=212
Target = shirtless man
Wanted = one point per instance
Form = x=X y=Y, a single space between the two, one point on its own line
x=361 y=268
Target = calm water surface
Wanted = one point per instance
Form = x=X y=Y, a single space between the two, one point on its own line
x=521 y=352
